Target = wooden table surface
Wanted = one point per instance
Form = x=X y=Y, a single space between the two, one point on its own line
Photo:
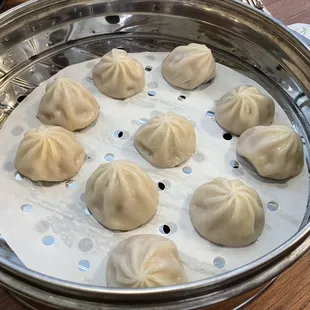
x=292 y=290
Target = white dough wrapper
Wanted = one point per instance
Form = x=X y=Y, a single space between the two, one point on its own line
x=227 y=212
x=145 y=261
x=275 y=151
x=166 y=140
x=189 y=66
x=49 y=153
x=68 y=104
x=118 y=76
x=244 y=107
x=121 y=196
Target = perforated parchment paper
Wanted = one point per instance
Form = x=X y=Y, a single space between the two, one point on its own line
x=48 y=226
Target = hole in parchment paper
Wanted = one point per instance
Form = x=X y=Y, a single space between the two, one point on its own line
x=161 y=186
x=198 y=157
x=142 y=121
x=219 y=262
x=121 y=134
x=148 y=68
x=210 y=114
x=152 y=84
x=109 y=157
x=156 y=7
x=151 y=93
x=187 y=170
x=85 y=245
x=113 y=19
x=209 y=82
x=18 y=176
x=9 y=167
x=87 y=157
x=83 y=198
x=26 y=208
x=86 y=212
x=18 y=130
x=48 y=240
x=181 y=97
x=70 y=184
x=83 y=265
x=43 y=226
x=164 y=229
x=234 y=164
x=118 y=133
x=20 y=98
x=227 y=136
x=273 y=206
x=123 y=48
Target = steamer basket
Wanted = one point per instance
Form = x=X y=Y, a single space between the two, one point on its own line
x=41 y=37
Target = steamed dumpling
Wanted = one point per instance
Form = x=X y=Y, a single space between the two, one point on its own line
x=166 y=140
x=227 y=212
x=145 y=261
x=189 y=66
x=121 y=196
x=68 y=104
x=276 y=151
x=242 y=108
x=118 y=76
x=49 y=153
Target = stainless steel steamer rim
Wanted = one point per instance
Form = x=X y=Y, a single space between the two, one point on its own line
x=40 y=37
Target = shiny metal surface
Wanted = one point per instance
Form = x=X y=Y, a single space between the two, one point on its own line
x=258 y=4
x=41 y=37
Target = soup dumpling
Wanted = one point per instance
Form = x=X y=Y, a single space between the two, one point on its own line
x=49 y=153
x=145 y=261
x=119 y=76
x=166 y=140
x=68 y=104
x=121 y=196
x=242 y=108
x=189 y=66
x=227 y=212
x=275 y=151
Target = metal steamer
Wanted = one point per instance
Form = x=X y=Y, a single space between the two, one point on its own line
x=41 y=37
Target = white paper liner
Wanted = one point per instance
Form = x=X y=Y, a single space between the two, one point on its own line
x=80 y=245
